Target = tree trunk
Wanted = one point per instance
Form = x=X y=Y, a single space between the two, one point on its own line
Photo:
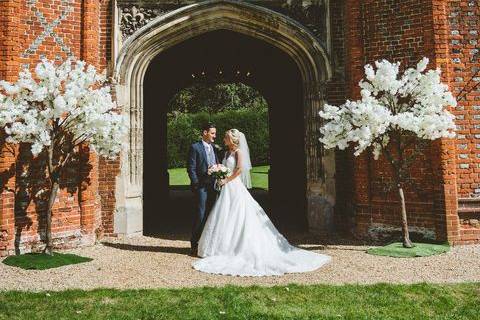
x=406 y=237
x=53 y=195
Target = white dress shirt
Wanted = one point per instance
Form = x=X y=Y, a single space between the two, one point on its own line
x=209 y=150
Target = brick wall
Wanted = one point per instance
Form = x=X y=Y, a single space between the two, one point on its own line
x=336 y=94
x=108 y=169
x=461 y=46
x=8 y=68
x=105 y=34
x=354 y=72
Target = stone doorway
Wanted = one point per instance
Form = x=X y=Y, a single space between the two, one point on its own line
x=304 y=60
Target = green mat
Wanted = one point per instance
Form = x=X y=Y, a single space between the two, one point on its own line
x=397 y=250
x=41 y=261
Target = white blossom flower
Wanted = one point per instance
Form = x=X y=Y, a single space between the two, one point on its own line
x=71 y=94
x=413 y=101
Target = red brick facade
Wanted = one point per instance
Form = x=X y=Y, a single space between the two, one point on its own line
x=442 y=205
x=460 y=58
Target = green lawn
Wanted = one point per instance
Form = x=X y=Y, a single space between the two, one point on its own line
x=42 y=261
x=397 y=250
x=381 y=301
x=179 y=177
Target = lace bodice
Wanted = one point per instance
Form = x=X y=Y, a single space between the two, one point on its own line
x=229 y=161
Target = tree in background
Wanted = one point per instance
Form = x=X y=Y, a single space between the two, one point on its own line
x=203 y=97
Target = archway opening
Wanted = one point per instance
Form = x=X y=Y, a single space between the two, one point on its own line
x=227 y=105
x=243 y=59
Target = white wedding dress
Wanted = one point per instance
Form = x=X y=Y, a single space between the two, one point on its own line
x=239 y=239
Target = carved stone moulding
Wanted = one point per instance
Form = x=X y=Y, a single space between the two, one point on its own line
x=133 y=18
x=136 y=14
x=312 y=14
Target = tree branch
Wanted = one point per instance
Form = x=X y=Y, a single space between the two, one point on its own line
x=69 y=154
x=80 y=137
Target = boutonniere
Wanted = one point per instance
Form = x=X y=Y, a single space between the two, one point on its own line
x=217 y=147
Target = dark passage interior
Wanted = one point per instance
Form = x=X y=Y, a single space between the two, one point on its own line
x=275 y=75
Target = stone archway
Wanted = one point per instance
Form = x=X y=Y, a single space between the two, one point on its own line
x=189 y=21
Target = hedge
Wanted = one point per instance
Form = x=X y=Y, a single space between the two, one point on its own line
x=184 y=128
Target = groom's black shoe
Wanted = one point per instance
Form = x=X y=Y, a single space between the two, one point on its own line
x=194 y=251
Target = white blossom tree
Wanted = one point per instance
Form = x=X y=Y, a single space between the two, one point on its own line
x=395 y=112
x=56 y=110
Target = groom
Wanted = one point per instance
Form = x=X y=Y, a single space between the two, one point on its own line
x=201 y=156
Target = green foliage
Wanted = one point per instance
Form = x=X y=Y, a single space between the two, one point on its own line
x=379 y=301
x=181 y=131
x=397 y=250
x=41 y=261
x=184 y=129
x=203 y=97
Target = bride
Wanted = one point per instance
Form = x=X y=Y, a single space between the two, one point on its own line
x=238 y=237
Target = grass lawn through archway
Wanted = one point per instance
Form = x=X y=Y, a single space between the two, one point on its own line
x=179 y=177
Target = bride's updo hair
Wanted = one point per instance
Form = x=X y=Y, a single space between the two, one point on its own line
x=234 y=135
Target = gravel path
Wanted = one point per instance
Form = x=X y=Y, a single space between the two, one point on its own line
x=147 y=262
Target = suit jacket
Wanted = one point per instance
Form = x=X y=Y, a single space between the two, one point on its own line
x=197 y=165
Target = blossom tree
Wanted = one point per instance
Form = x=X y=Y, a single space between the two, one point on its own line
x=395 y=112
x=56 y=110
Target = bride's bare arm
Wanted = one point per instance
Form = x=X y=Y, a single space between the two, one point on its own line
x=238 y=168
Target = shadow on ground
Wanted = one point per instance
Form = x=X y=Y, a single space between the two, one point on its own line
x=132 y=247
x=173 y=221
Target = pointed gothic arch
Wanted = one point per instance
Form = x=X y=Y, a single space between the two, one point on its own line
x=189 y=21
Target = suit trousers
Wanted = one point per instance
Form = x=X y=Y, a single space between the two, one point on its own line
x=205 y=197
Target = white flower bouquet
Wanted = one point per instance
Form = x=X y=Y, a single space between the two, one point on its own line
x=219 y=172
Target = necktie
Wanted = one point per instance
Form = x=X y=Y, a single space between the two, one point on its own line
x=211 y=157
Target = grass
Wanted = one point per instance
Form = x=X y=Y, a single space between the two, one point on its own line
x=381 y=301
x=179 y=177
x=259 y=176
x=41 y=261
x=397 y=250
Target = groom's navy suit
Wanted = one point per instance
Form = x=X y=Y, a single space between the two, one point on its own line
x=202 y=185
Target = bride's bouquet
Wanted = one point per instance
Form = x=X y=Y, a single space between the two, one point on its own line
x=219 y=172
